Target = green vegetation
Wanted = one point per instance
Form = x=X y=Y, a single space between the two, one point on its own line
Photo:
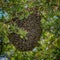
x=49 y=43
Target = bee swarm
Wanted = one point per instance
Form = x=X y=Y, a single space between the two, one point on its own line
x=33 y=25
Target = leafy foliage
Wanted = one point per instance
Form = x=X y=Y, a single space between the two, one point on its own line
x=49 y=44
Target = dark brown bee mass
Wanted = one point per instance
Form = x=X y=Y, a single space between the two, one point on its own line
x=33 y=26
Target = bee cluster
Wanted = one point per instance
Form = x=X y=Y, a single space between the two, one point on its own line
x=33 y=26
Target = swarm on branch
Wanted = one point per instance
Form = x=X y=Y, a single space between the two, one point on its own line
x=33 y=26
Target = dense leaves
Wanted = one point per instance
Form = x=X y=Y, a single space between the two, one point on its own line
x=49 y=44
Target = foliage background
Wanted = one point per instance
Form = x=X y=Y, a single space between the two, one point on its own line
x=49 y=44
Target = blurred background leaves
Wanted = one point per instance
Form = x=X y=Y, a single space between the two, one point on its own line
x=49 y=44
